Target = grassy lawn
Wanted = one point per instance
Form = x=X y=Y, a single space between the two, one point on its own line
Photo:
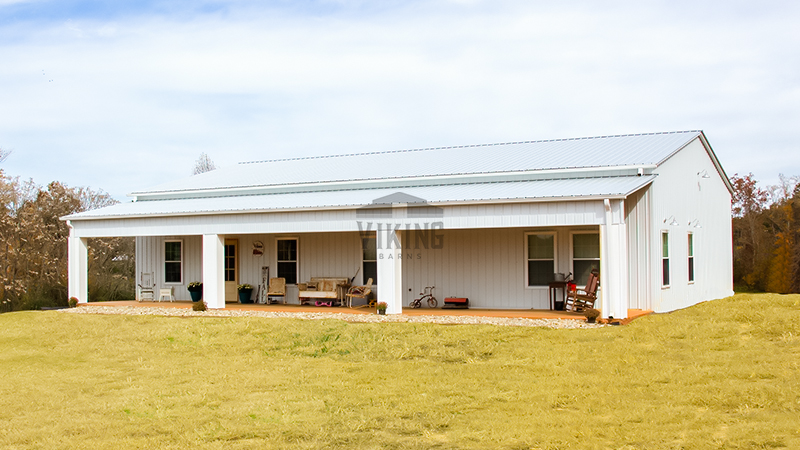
x=724 y=374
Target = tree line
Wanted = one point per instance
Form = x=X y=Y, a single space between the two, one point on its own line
x=766 y=235
x=33 y=262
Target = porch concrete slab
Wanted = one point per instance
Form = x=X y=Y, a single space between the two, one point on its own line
x=503 y=313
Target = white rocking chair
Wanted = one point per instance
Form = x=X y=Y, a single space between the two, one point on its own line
x=147 y=287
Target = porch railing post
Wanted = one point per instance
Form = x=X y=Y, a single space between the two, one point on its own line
x=78 y=268
x=390 y=273
x=213 y=270
x=614 y=261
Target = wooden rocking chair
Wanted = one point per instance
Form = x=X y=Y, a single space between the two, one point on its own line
x=581 y=300
x=276 y=291
x=358 y=292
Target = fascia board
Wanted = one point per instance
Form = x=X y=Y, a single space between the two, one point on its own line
x=349 y=207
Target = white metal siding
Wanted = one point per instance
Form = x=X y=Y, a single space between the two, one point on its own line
x=150 y=258
x=680 y=192
x=637 y=210
x=485 y=265
x=320 y=255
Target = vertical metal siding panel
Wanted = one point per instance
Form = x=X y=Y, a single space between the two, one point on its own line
x=679 y=191
x=476 y=277
x=505 y=267
x=637 y=263
x=484 y=265
x=137 y=277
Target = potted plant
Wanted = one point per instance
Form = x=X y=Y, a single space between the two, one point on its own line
x=73 y=302
x=195 y=290
x=591 y=315
x=245 y=291
x=382 y=307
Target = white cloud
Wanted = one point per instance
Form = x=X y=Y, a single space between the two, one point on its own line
x=135 y=100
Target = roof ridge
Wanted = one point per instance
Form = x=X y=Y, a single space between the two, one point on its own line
x=386 y=152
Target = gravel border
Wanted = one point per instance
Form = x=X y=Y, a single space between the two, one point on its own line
x=354 y=318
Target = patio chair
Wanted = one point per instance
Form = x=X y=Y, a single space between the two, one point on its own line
x=581 y=300
x=359 y=292
x=276 y=291
x=147 y=287
x=166 y=292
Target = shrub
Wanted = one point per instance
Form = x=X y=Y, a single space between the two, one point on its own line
x=382 y=306
x=199 y=306
x=591 y=314
x=73 y=302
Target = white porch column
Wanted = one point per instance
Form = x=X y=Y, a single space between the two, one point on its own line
x=390 y=273
x=214 y=270
x=78 y=267
x=614 y=258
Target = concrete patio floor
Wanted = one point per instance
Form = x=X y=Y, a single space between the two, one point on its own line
x=508 y=313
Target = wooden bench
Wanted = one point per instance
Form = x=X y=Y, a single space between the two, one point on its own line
x=328 y=290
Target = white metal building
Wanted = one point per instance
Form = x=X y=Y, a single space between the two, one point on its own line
x=487 y=222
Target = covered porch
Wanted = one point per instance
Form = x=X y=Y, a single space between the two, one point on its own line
x=498 y=256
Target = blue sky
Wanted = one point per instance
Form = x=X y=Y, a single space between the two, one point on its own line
x=120 y=96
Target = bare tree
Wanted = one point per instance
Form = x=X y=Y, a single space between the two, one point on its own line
x=203 y=164
x=4 y=154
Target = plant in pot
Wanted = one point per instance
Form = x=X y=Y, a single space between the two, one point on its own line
x=382 y=307
x=245 y=291
x=591 y=315
x=195 y=290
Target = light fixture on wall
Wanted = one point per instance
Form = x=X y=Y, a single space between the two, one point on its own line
x=695 y=223
x=672 y=221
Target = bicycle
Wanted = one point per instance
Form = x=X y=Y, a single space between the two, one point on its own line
x=427 y=296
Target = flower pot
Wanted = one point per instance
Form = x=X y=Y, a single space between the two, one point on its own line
x=196 y=294
x=590 y=320
x=382 y=312
x=244 y=296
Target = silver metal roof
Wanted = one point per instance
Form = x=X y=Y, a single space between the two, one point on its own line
x=542 y=190
x=602 y=151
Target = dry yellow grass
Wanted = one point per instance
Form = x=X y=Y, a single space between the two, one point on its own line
x=724 y=374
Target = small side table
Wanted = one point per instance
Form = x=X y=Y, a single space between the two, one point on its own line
x=554 y=287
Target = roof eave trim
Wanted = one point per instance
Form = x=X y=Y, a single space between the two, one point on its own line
x=617 y=196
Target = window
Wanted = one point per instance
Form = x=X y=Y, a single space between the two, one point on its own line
x=665 y=259
x=370 y=259
x=691 y=257
x=173 y=262
x=287 y=260
x=541 y=258
x=585 y=256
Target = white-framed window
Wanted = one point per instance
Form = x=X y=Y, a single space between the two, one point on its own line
x=665 y=259
x=369 y=246
x=173 y=261
x=585 y=251
x=540 y=254
x=287 y=259
x=690 y=252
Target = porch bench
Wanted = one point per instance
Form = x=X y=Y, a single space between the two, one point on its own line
x=331 y=289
